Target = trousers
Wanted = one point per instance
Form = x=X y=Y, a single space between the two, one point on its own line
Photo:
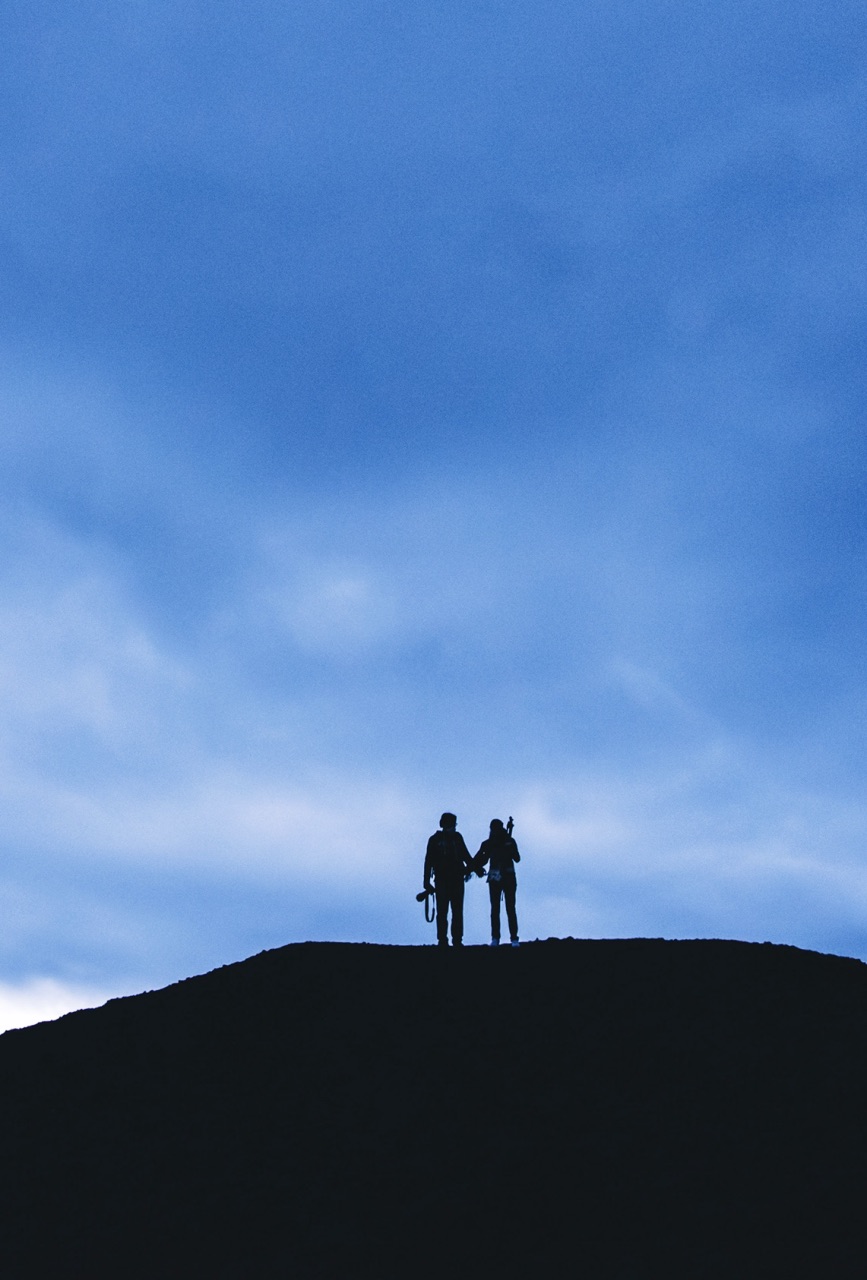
x=450 y=896
x=507 y=887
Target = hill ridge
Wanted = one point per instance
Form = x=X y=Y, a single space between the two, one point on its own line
x=365 y=1109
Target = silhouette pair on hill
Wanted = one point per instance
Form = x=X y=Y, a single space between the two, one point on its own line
x=448 y=865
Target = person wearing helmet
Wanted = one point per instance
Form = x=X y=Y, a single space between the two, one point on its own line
x=501 y=852
x=448 y=863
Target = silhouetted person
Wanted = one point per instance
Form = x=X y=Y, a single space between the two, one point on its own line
x=448 y=861
x=501 y=852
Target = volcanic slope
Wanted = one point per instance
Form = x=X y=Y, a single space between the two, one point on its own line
x=592 y=1108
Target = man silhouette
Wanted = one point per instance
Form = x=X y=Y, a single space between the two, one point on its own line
x=501 y=851
x=448 y=862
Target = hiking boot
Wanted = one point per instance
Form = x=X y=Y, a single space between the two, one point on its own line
x=495 y=942
x=515 y=942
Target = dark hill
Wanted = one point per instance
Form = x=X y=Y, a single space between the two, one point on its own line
x=595 y=1109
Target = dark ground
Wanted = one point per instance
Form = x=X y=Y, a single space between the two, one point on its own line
x=601 y=1109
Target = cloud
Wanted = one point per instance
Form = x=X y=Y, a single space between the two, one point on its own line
x=444 y=412
x=42 y=1000
x=324 y=831
x=74 y=655
x=720 y=846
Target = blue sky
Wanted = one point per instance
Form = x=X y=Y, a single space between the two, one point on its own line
x=421 y=406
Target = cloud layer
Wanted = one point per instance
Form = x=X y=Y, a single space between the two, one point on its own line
x=423 y=410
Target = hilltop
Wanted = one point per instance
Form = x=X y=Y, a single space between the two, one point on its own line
x=616 y=1108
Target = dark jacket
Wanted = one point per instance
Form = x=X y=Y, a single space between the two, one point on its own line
x=502 y=853
x=447 y=857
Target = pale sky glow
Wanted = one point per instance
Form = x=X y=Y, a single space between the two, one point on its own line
x=445 y=407
x=42 y=1000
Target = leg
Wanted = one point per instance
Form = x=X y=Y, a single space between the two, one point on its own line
x=458 y=914
x=442 y=916
x=495 y=889
x=510 y=887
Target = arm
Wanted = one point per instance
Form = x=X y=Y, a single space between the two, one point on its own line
x=428 y=862
x=516 y=857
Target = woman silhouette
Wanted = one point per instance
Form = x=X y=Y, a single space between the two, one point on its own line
x=501 y=852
